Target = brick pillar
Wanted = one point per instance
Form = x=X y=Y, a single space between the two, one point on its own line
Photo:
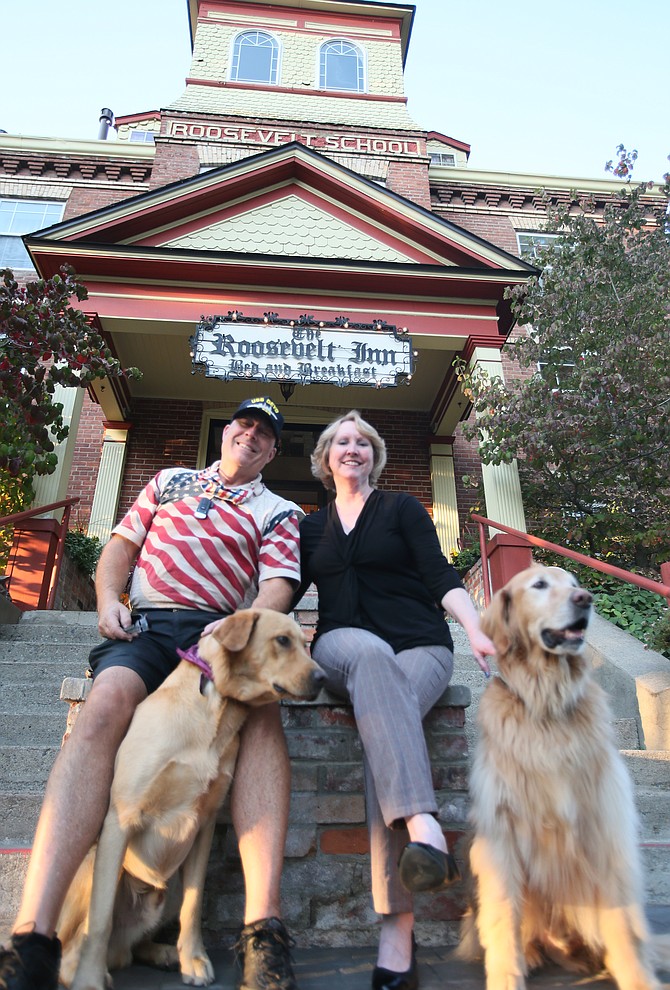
x=174 y=161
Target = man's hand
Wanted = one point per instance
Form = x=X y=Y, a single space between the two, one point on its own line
x=111 y=576
x=114 y=621
x=274 y=593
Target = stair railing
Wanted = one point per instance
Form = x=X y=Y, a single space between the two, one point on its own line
x=658 y=587
x=50 y=577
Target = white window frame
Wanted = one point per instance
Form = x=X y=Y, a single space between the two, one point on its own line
x=445 y=158
x=275 y=58
x=536 y=238
x=8 y=221
x=361 y=66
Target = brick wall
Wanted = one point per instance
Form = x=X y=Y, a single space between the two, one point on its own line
x=407 y=437
x=85 y=199
x=86 y=460
x=326 y=876
x=410 y=179
x=75 y=591
x=174 y=162
x=166 y=433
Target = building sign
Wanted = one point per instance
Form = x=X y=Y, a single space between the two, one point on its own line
x=304 y=351
x=273 y=137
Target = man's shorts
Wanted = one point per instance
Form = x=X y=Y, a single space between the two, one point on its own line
x=153 y=653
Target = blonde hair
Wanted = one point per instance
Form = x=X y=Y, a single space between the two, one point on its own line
x=321 y=453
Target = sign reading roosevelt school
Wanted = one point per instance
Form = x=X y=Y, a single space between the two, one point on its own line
x=305 y=351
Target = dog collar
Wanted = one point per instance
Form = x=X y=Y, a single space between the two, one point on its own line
x=192 y=656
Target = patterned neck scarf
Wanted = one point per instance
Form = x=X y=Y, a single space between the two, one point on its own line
x=213 y=487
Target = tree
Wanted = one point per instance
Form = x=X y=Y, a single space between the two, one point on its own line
x=591 y=429
x=44 y=341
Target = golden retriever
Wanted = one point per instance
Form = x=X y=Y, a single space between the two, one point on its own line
x=171 y=775
x=554 y=855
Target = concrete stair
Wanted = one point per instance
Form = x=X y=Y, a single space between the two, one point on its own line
x=35 y=655
x=45 y=647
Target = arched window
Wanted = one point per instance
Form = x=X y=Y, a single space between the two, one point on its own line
x=255 y=58
x=342 y=66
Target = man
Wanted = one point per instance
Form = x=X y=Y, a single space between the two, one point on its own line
x=200 y=543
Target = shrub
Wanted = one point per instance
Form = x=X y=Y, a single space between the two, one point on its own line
x=84 y=550
x=631 y=608
x=659 y=637
x=464 y=559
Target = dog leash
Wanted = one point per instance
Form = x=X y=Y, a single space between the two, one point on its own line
x=192 y=656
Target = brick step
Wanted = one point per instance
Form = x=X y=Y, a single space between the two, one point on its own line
x=41 y=674
x=77 y=628
x=13 y=867
x=653 y=806
x=648 y=767
x=26 y=767
x=74 y=657
x=39 y=695
x=18 y=815
x=38 y=726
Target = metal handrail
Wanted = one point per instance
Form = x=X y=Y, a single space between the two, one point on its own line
x=658 y=587
x=65 y=504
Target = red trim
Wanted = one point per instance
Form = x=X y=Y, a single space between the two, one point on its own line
x=283 y=169
x=132 y=117
x=295 y=20
x=293 y=90
x=453 y=142
x=364 y=226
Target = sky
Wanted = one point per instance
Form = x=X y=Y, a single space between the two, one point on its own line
x=531 y=85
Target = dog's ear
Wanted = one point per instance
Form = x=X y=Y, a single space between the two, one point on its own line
x=235 y=632
x=496 y=621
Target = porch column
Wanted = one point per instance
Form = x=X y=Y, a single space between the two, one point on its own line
x=502 y=490
x=53 y=487
x=445 y=509
x=110 y=476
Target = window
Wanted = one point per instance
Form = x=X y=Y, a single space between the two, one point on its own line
x=557 y=368
x=529 y=244
x=23 y=216
x=440 y=158
x=142 y=137
x=341 y=66
x=255 y=58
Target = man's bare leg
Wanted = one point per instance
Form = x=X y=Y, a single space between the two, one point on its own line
x=260 y=805
x=77 y=797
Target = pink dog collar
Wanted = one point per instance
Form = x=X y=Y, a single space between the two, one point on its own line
x=192 y=656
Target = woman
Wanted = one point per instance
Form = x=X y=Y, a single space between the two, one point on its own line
x=383 y=642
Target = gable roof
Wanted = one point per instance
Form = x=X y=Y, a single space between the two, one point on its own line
x=290 y=205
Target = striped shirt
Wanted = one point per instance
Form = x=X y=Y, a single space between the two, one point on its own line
x=213 y=564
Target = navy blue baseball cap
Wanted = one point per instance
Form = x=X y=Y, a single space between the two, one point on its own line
x=265 y=405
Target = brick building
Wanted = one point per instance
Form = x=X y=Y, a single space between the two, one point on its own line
x=289 y=193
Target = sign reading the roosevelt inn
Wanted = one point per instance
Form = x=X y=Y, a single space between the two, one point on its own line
x=304 y=351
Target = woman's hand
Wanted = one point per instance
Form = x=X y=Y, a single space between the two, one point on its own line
x=481 y=647
x=458 y=603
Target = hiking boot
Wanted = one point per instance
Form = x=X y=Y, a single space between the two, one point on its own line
x=30 y=962
x=263 y=950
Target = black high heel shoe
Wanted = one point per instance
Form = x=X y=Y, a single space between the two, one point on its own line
x=386 y=979
x=423 y=867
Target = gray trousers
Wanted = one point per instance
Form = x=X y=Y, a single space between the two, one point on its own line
x=390 y=693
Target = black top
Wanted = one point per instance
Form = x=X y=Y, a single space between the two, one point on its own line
x=387 y=575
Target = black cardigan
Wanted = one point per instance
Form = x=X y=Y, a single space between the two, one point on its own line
x=388 y=575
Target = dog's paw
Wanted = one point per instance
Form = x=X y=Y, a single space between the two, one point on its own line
x=198 y=972
x=156 y=954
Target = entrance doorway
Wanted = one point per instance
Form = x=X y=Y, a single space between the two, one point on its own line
x=289 y=474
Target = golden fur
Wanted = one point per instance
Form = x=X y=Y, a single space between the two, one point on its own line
x=554 y=855
x=171 y=775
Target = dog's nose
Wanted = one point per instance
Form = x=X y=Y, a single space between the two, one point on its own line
x=582 y=597
x=318 y=677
